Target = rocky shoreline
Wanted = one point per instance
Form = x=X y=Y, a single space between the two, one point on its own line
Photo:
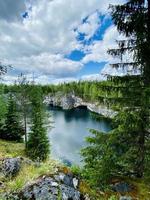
x=70 y=101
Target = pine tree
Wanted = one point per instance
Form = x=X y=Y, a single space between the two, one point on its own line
x=23 y=98
x=38 y=147
x=13 y=129
x=126 y=148
x=3 y=109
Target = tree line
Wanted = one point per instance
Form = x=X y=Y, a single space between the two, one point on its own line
x=22 y=108
x=124 y=151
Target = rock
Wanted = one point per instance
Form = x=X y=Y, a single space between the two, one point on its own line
x=70 y=101
x=68 y=192
x=68 y=179
x=1 y=184
x=122 y=187
x=43 y=189
x=67 y=102
x=86 y=197
x=59 y=177
x=10 y=166
x=75 y=182
x=51 y=188
x=125 y=198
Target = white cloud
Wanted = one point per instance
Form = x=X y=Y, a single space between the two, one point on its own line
x=93 y=77
x=90 y=26
x=40 y=42
x=97 y=51
x=55 y=65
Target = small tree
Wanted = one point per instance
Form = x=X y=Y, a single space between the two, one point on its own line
x=38 y=147
x=13 y=129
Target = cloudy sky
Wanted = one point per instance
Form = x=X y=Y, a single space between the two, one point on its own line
x=56 y=40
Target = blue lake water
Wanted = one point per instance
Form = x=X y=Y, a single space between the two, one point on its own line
x=70 y=128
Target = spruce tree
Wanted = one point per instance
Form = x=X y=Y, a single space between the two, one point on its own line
x=23 y=98
x=38 y=147
x=3 y=109
x=125 y=150
x=12 y=129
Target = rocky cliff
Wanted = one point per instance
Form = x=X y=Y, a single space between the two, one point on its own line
x=70 y=101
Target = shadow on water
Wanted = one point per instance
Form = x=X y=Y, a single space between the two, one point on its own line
x=69 y=132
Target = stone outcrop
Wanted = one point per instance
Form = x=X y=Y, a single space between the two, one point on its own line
x=70 y=101
x=122 y=187
x=9 y=167
x=59 y=186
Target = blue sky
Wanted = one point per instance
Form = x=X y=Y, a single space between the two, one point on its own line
x=56 y=40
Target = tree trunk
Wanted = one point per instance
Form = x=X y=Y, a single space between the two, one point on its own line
x=25 y=129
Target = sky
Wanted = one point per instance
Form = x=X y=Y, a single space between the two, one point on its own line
x=57 y=40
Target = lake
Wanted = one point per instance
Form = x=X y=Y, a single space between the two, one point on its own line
x=70 y=128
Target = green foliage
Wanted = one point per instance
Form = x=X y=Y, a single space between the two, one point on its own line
x=76 y=170
x=38 y=142
x=98 y=158
x=113 y=197
x=11 y=149
x=126 y=149
x=12 y=129
x=3 y=108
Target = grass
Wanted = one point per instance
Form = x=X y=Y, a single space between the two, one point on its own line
x=29 y=173
x=11 y=149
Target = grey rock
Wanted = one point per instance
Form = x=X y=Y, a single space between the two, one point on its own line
x=10 y=166
x=50 y=188
x=67 y=102
x=59 y=177
x=70 y=101
x=75 y=182
x=86 y=197
x=125 y=198
x=68 y=179
x=44 y=189
x=68 y=192
x=122 y=187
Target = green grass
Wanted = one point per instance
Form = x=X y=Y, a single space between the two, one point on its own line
x=11 y=149
x=30 y=172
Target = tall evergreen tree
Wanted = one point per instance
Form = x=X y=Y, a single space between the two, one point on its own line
x=38 y=147
x=12 y=129
x=3 y=108
x=23 y=98
x=126 y=148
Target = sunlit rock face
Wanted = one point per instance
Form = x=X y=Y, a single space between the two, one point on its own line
x=70 y=101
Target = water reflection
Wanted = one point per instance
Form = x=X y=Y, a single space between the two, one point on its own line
x=69 y=132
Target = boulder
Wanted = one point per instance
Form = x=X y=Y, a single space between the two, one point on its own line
x=10 y=166
x=51 y=188
x=43 y=189
x=122 y=187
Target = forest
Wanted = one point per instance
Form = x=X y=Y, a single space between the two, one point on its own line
x=119 y=158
